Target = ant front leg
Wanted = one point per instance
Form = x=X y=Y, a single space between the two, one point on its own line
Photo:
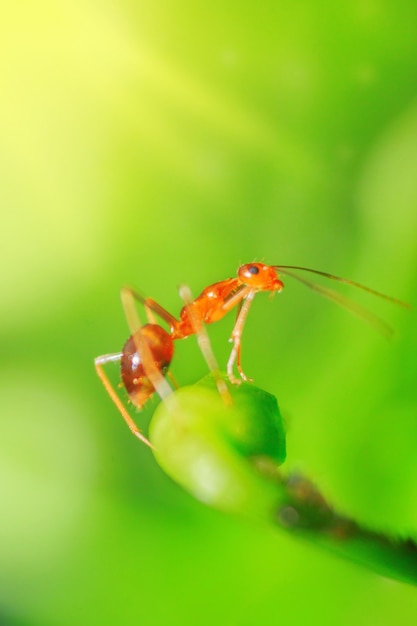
x=236 y=338
x=99 y=362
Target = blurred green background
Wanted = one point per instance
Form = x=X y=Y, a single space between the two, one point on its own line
x=161 y=143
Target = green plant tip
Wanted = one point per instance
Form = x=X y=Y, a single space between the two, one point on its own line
x=211 y=447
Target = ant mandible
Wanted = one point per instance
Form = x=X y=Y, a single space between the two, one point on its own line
x=148 y=352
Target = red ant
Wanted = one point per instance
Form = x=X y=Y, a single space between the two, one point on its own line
x=148 y=352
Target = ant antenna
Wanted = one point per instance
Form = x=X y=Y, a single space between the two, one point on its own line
x=381 y=326
x=347 y=281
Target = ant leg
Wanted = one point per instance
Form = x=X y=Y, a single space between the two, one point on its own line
x=239 y=367
x=149 y=314
x=158 y=381
x=172 y=379
x=205 y=346
x=236 y=338
x=99 y=362
x=128 y=295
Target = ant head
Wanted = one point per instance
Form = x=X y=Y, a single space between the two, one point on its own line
x=259 y=276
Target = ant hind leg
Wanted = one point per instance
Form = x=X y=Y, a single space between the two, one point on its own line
x=128 y=297
x=99 y=362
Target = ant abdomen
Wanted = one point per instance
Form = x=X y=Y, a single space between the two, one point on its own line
x=132 y=366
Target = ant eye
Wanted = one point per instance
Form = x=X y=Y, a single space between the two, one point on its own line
x=253 y=269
